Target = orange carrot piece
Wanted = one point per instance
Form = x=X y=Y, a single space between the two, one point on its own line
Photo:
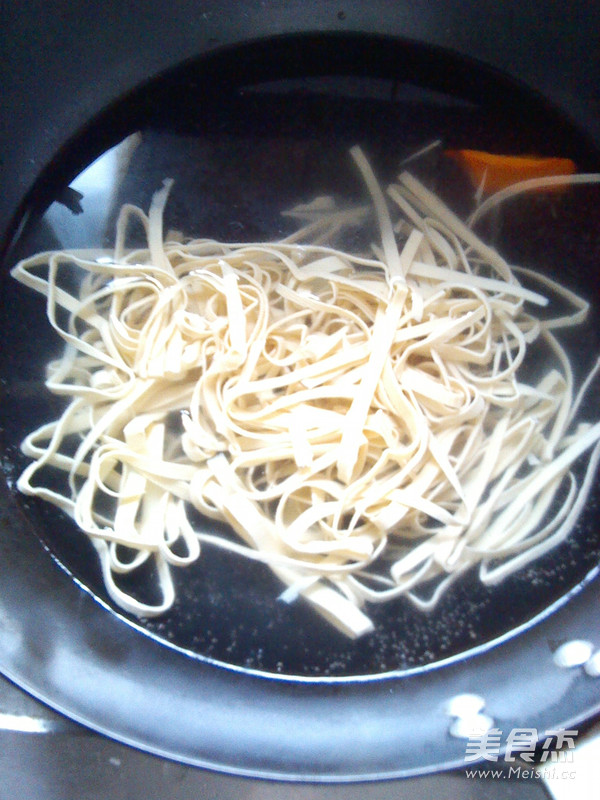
x=497 y=172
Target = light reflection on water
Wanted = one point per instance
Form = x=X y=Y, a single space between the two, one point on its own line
x=83 y=221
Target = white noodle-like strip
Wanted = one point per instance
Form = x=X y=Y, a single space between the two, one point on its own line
x=393 y=260
x=530 y=185
x=362 y=423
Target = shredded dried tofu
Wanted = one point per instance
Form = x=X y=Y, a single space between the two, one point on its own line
x=361 y=420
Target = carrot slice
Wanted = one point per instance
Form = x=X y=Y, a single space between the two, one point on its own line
x=495 y=172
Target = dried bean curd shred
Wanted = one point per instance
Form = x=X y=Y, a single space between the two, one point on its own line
x=359 y=420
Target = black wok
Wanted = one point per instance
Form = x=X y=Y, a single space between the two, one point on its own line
x=230 y=678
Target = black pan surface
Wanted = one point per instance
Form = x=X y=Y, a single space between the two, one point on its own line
x=231 y=678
